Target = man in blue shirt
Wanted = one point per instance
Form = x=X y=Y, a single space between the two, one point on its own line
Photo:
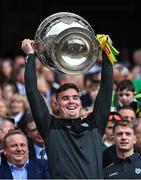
x=18 y=165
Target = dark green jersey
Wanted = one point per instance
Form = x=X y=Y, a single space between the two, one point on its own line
x=73 y=145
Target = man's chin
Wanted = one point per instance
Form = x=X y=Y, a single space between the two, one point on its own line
x=73 y=116
x=124 y=149
x=70 y=115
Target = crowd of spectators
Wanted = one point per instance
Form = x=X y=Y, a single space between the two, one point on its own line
x=17 y=126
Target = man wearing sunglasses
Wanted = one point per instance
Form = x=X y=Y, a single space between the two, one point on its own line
x=108 y=136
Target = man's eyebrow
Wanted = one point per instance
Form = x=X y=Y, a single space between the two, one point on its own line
x=76 y=95
x=66 y=96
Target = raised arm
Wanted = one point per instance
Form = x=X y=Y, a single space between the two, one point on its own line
x=103 y=100
x=37 y=104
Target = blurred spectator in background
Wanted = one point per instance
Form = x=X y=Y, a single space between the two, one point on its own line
x=0 y=92
x=138 y=98
x=63 y=78
x=19 y=60
x=54 y=109
x=137 y=124
x=8 y=90
x=136 y=70
x=36 y=144
x=18 y=110
x=49 y=76
x=51 y=85
x=79 y=81
x=7 y=71
x=124 y=58
x=98 y=65
x=108 y=138
x=43 y=88
x=125 y=93
x=39 y=66
x=19 y=80
x=121 y=72
x=91 y=84
x=6 y=123
x=127 y=113
x=4 y=108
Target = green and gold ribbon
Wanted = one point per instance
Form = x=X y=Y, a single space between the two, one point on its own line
x=106 y=45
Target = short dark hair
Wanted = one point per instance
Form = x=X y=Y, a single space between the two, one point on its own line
x=7 y=118
x=126 y=84
x=65 y=87
x=29 y=118
x=124 y=123
x=126 y=107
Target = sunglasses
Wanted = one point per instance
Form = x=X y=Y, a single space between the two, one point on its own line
x=114 y=117
x=33 y=130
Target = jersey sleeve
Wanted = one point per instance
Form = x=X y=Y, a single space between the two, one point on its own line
x=37 y=104
x=102 y=103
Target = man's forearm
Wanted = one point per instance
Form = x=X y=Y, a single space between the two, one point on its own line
x=103 y=100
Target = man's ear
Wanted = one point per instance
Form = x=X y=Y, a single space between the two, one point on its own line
x=114 y=138
x=135 y=139
x=28 y=133
x=4 y=152
x=57 y=105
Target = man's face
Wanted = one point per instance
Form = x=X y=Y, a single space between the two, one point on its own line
x=17 y=106
x=125 y=97
x=8 y=92
x=94 y=91
x=16 y=150
x=3 y=109
x=48 y=74
x=109 y=130
x=4 y=130
x=127 y=114
x=34 y=134
x=138 y=136
x=69 y=104
x=124 y=138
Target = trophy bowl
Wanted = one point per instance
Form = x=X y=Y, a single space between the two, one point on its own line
x=66 y=42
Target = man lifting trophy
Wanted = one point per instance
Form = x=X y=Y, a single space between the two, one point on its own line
x=67 y=43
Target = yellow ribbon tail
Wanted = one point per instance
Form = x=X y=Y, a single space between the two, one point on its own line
x=106 y=45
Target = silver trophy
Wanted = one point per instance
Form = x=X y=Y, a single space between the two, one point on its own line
x=66 y=42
